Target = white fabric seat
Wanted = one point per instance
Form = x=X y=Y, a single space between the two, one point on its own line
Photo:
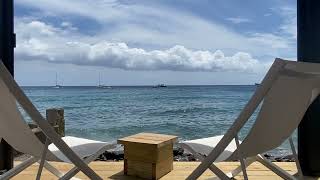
x=205 y=145
x=81 y=146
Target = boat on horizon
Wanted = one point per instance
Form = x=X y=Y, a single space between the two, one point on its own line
x=101 y=86
x=159 y=86
x=57 y=86
x=256 y=84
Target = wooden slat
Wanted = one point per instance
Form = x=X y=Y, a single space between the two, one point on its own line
x=141 y=169
x=114 y=170
x=147 y=153
x=149 y=138
x=163 y=168
x=140 y=152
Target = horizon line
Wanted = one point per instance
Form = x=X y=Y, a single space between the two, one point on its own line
x=141 y=85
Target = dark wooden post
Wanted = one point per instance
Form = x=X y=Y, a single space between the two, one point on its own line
x=309 y=51
x=7 y=44
x=55 y=116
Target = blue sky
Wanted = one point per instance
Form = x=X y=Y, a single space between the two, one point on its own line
x=149 y=42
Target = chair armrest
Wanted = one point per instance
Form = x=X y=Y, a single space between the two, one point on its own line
x=38 y=132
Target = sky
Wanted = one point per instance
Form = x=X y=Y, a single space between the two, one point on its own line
x=147 y=42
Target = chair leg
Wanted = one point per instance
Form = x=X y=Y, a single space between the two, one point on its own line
x=238 y=170
x=75 y=170
x=16 y=170
x=216 y=170
x=220 y=174
x=55 y=171
x=52 y=169
x=276 y=169
x=293 y=149
x=243 y=166
x=43 y=158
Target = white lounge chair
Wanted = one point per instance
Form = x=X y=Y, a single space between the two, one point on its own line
x=286 y=93
x=15 y=131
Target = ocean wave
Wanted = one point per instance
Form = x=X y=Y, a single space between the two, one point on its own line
x=190 y=110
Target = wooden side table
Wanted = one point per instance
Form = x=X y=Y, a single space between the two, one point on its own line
x=148 y=155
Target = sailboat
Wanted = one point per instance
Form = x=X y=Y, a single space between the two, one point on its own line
x=159 y=86
x=101 y=85
x=57 y=86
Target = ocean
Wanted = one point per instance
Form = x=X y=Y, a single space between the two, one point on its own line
x=189 y=112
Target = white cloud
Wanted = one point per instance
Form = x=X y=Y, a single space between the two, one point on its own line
x=238 y=20
x=42 y=28
x=267 y=14
x=274 y=41
x=281 y=41
x=155 y=29
x=69 y=26
x=85 y=8
x=177 y=58
x=40 y=41
x=145 y=37
x=289 y=25
x=155 y=26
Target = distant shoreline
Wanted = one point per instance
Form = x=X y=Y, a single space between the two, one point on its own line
x=92 y=86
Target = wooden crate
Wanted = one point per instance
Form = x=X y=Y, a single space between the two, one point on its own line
x=148 y=155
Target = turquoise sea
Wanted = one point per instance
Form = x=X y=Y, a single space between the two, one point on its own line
x=189 y=112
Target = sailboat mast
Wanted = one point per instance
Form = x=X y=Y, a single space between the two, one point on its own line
x=56 y=78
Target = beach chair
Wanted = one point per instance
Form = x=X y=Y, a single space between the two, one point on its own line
x=16 y=132
x=286 y=93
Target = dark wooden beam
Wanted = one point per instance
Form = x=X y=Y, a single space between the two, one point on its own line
x=7 y=44
x=308 y=25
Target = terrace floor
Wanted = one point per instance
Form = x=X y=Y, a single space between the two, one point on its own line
x=114 y=170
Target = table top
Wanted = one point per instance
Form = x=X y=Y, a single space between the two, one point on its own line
x=149 y=138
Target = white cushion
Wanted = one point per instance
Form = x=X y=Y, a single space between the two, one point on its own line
x=82 y=147
x=205 y=145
